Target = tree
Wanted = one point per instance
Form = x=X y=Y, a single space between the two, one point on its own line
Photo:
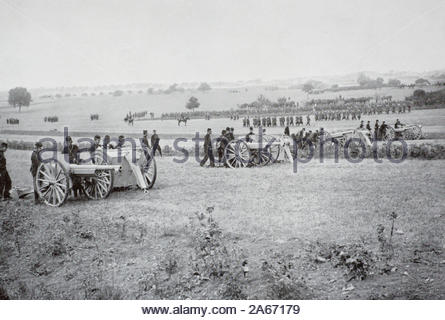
x=204 y=86
x=363 y=80
x=419 y=94
x=171 y=88
x=379 y=82
x=308 y=87
x=192 y=104
x=394 y=82
x=422 y=82
x=19 y=97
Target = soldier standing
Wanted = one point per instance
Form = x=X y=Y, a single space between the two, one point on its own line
x=368 y=126
x=383 y=130
x=376 y=130
x=35 y=162
x=5 y=180
x=222 y=143
x=249 y=135
x=208 y=150
x=155 y=143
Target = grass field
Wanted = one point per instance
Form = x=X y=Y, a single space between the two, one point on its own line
x=292 y=229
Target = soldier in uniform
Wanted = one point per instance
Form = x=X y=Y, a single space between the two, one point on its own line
x=382 y=132
x=222 y=143
x=106 y=141
x=362 y=125
x=376 y=130
x=120 y=142
x=144 y=140
x=5 y=180
x=249 y=135
x=155 y=143
x=368 y=125
x=231 y=134
x=35 y=162
x=208 y=150
x=94 y=147
x=69 y=150
x=287 y=131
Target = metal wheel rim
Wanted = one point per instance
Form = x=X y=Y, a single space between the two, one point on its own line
x=149 y=173
x=237 y=154
x=52 y=183
x=99 y=186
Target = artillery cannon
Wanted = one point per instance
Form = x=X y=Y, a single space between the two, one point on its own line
x=343 y=136
x=109 y=168
x=53 y=180
x=406 y=132
x=136 y=168
x=260 y=151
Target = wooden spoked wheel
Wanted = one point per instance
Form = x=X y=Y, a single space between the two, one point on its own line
x=341 y=141
x=408 y=134
x=389 y=134
x=100 y=185
x=149 y=170
x=237 y=154
x=412 y=133
x=273 y=149
x=261 y=157
x=52 y=183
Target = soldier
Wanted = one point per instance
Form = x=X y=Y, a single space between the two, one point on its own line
x=69 y=150
x=376 y=130
x=208 y=150
x=144 y=140
x=362 y=125
x=155 y=143
x=249 y=135
x=94 y=147
x=382 y=132
x=5 y=180
x=397 y=124
x=222 y=143
x=368 y=125
x=120 y=142
x=286 y=131
x=35 y=162
x=308 y=120
x=106 y=141
x=231 y=134
x=77 y=181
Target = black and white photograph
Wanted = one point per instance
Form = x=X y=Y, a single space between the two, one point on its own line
x=222 y=150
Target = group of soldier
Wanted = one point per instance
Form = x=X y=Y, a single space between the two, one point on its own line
x=51 y=119
x=222 y=141
x=12 y=121
x=275 y=121
x=72 y=152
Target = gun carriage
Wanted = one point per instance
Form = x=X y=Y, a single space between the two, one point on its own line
x=107 y=169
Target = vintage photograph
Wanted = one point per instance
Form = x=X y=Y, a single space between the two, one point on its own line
x=222 y=150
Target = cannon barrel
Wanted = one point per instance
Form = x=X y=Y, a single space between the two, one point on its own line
x=90 y=169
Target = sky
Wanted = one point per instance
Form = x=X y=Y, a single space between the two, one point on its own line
x=48 y=43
